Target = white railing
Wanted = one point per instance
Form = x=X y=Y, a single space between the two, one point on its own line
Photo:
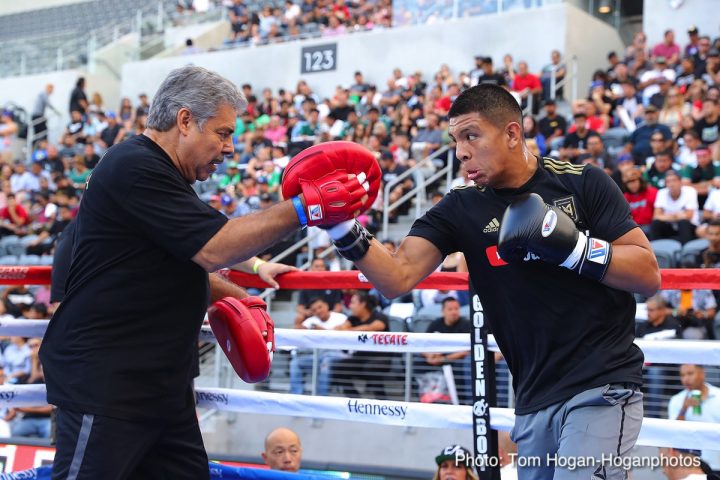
x=419 y=191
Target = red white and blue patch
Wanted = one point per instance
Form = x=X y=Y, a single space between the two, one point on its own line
x=315 y=212
x=598 y=251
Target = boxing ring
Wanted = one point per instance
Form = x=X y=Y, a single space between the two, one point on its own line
x=654 y=432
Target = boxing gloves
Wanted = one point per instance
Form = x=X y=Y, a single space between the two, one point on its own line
x=320 y=173
x=530 y=225
x=246 y=334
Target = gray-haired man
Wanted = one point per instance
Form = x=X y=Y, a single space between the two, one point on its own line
x=120 y=350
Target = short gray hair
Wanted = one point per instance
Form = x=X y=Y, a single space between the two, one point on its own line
x=197 y=89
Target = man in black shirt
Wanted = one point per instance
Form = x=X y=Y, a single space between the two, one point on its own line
x=575 y=143
x=552 y=125
x=120 y=351
x=369 y=366
x=78 y=99
x=555 y=282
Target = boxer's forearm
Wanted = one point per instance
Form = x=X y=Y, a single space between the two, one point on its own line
x=394 y=274
x=243 y=237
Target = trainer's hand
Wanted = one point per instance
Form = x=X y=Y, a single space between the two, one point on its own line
x=246 y=334
x=530 y=225
x=334 y=198
x=338 y=181
x=269 y=270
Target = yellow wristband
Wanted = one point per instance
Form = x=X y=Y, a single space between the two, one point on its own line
x=257 y=264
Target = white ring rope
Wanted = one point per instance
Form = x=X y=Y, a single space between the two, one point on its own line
x=701 y=352
x=655 y=432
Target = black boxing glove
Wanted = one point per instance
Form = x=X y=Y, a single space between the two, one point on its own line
x=530 y=225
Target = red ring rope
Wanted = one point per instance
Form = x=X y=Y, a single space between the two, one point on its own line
x=672 y=279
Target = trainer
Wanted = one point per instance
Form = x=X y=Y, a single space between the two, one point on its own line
x=553 y=254
x=118 y=353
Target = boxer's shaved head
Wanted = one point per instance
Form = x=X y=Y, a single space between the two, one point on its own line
x=494 y=104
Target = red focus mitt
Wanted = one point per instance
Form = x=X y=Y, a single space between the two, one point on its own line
x=320 y=174
x=246 y=334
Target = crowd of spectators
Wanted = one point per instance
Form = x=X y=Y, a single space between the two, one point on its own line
x=650 y=119
x=264 y=23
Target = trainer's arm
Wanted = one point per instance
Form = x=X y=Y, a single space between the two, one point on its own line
x=241 y=238
x=394 y=274
x=633 y=266
x=220 y=287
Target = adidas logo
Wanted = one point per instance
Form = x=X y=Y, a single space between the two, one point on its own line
x=492 y=227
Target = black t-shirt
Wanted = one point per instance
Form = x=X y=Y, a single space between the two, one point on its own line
x=547 y=126
x=109 y=134
x=560 y=332
x=645 y=328
x=123 y=342
x=75 y=97
x=61 y=263
x=439 y=326
x=709 y=131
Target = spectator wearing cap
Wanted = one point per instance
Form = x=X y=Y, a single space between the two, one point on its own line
x=556 y=68
x=528 y=86
x=667 y=49
x=676 y=210
x=455 y=463
x=649 y=81
x=231 y=176
x=693 y=41
x=36 y=174
x=640 y=196
x=659 y=98
x=231 y=208
x=704 y=177
x=639 y=140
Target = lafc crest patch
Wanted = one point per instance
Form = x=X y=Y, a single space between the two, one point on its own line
x=567 y=205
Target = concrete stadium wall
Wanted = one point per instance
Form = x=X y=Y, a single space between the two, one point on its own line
x=528 y=35
x=659 y=16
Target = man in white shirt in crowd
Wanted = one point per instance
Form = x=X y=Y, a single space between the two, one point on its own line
x=687 y=406
x=322 y=318
x=676 y=210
